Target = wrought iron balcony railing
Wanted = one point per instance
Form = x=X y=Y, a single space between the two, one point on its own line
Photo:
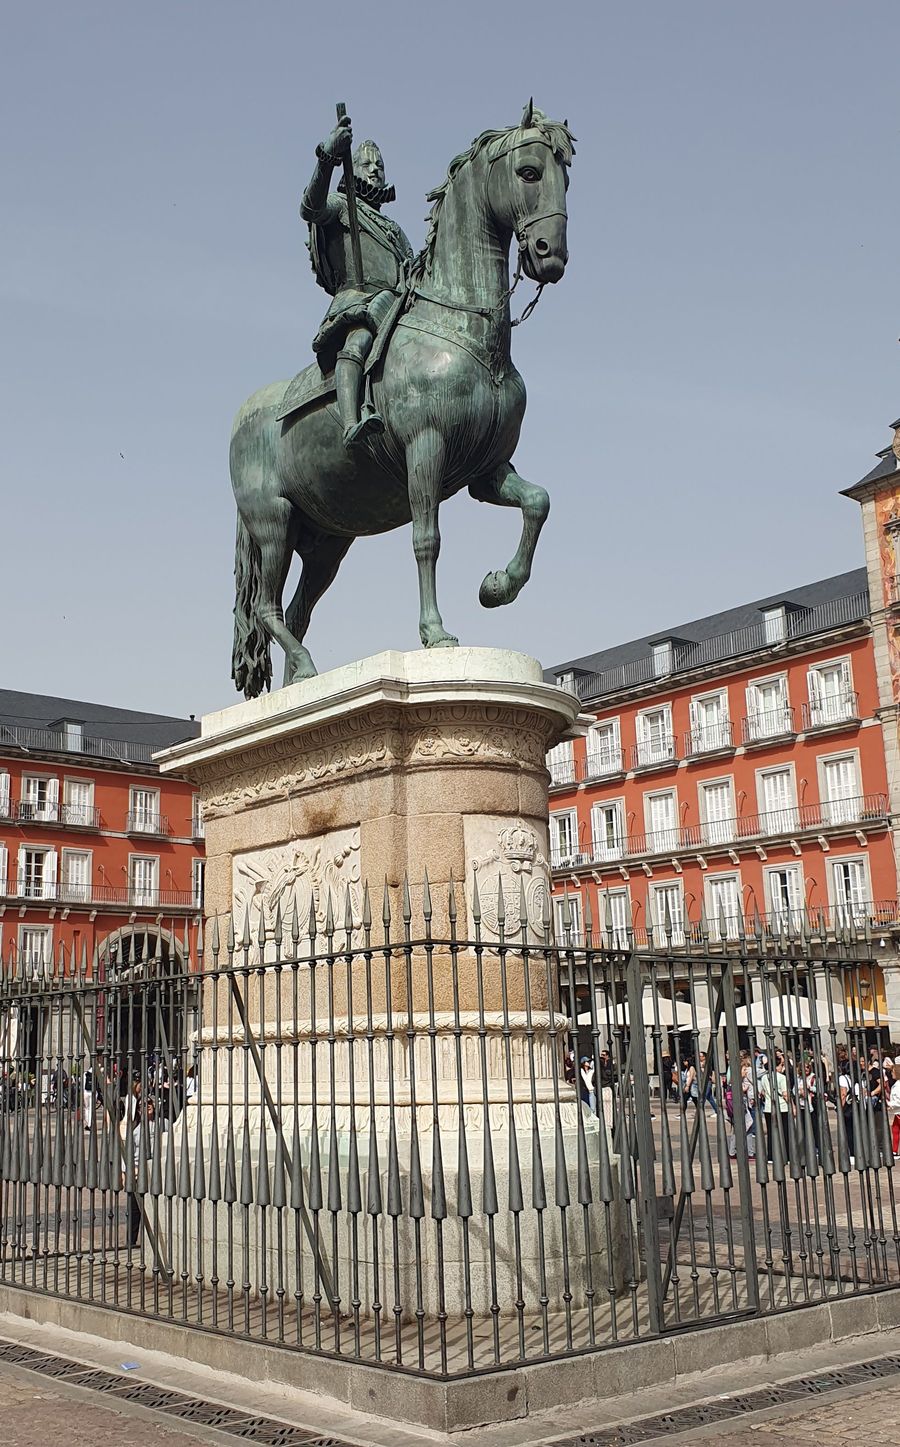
x=112 y=895
x=601 y=763
x=773 y=723
x=140 y=823
x=70 y=816
x=815 y=921
x=562 y=773
x=62 y=741
x=829 y=712
x=860 y=812
x=709 y=740
x=654 y=753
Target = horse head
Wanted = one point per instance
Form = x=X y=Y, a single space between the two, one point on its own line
x=529 y=179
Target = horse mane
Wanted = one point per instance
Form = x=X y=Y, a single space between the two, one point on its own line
x=557 y=133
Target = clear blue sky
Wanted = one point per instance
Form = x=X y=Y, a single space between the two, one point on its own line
x=719 y=360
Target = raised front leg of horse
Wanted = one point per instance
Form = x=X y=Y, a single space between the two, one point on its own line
x=321 y=555
x=425 y=471
x=507 y=489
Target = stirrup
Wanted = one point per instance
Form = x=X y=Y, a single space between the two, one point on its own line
x=359 y=433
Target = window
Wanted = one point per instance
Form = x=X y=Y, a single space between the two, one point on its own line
x=564 y=836
x=36 y=873
x=567 y=907
x=76 y=873
x=36 y=946
x=723 y=906
x=710 y=725
x=839 y=779
x=775 y=624
x=561 y=763
x=197 y=830
x=4 y=869
x=777 y=801
x=143 y=879
x=4 y=795
x=661 y=817
x=40 y=798
x=831 y=696
x=784 y=896
x=608 y=830
x=604 y=749
x=615 y=918
x=655 y=742
x=768 y=710
x=197 y=871
x=717 y=811
x=78 y=801
x=72 y=735
x=663 y=658
x=667 y=901
x=144 y=815
x=849 y=890
x=566 y=680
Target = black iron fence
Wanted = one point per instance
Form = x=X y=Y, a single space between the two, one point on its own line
x=372 y=1138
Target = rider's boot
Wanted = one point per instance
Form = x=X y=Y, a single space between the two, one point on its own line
x=347 y=383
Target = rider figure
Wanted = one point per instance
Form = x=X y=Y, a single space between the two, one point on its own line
x=345 y=338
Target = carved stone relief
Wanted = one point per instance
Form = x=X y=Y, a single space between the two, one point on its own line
x=507 y=854
x=300 y=875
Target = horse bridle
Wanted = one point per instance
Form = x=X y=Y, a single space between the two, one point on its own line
x=520 y=228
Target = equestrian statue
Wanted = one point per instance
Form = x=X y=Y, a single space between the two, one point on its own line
x=413 y=394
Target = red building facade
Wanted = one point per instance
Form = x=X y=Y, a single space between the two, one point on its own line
x=733 y=770
x=94 y=843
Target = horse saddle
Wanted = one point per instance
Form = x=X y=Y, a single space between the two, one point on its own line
x=313 y=385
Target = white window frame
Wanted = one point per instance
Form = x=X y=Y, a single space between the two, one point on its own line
x=49 y=872
x=133 y=891
x=791 y=914
x=4 y=868
x=717 y=831
x=68 y=808
x=840 y=811
x=81 y=893
x=734 y=918
x=662 y=841
x=840 y=910
x=722 y=737
x=198 y=876
x=656 y=892
x=600 y=850
x=555 y=850
x=787 y=818
x=197 y=826
x=5 y=794
x=779 y=718
x=46 y=813
x=821 y=713
x=647 y=753
x=561 y=763
x=605 y=758
x=44 y=965
x=775 y=624
x=615 y=933
x=153 y=815
x=575 y=935
x=663 y=656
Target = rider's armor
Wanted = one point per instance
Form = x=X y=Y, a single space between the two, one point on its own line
x=355 y=315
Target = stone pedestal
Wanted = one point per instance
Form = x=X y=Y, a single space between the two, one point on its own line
x=436 y=1067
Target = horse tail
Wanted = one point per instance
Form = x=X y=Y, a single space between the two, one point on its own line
x=251 y=658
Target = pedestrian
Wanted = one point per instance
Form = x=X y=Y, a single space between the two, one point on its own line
x=845 y=1101
x=87 y=1097
x=588 y=1090
x=894 y=1102
x=145 y=1125
x=689 y=1088
x=776 y=1102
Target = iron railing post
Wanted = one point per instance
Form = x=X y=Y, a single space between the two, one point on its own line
x=645 y=1144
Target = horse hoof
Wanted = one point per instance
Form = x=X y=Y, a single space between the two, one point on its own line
x=496 y=590
x=441 y=640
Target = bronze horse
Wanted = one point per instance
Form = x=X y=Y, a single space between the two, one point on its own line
x=451 y=400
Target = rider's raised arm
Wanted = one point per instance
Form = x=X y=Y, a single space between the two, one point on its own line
x=315 y=206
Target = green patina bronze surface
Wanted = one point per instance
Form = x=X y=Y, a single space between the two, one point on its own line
x=413 y=395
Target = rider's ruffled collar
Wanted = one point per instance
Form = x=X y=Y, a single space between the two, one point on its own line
x=372 y=195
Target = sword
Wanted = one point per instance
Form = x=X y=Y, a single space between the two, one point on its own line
x=350 y=189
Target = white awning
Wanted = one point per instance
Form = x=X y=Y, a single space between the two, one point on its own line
x=666 y=1013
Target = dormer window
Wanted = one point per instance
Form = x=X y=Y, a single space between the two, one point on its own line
x=71 y=732
x=566 y=680
x=775 y=623
x=663 y=658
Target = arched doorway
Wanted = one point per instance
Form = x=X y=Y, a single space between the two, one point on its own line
x=145 y=1003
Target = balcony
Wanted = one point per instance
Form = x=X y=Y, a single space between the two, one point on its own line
x=698 y=932
x=94 y=896
x=654 y=753
x=772 y=724
x=198 y=832
x=603 y=763
x=139 y=822
x=68 y=816
x=864 y=811
x=833 y=712
x=562 y=774
x=893 y=590
x=60 y=741
x=714 y=739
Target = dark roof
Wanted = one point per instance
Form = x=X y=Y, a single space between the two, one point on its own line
x=813 y=601
x=140 y=733
x=886 y=466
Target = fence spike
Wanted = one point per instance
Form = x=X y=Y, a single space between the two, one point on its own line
x=501 y=901
x=476 y=902
x=366 y=909
x=348 y=914
x=451 y=900
x=426 y=900
x=386 y=907
x=407 y=902
x=523 y=910
x=329 y=916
